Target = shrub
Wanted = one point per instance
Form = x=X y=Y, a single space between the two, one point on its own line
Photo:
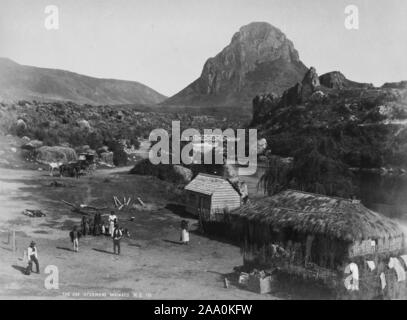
x=119 y=155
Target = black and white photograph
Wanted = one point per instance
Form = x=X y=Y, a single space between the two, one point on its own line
x=206 y=151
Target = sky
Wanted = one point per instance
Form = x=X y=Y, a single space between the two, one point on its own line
x=165 y=43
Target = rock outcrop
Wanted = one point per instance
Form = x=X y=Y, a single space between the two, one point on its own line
x=336 y=80
x=395 y=85
x=313 y=87
x=259 y=59
x=302 y=90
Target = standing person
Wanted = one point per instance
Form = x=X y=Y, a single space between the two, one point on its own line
x=75 y=235
x=96 y=224
x=184 y=232
x=91 y=225
x=117 y=236
x=87 y=227
x=112 y=221
x=32 y=253
x=83 y=226
x=77 y=172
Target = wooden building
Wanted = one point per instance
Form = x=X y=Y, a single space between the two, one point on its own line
x=209 y=195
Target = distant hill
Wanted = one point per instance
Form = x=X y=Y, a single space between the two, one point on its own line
x=259 y=59
x=19 y=82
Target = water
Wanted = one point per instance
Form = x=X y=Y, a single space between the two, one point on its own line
x=384 y=194
x=252 y=181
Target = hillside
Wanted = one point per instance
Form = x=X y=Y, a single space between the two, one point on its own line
x=19 y=82
x=329 y=125
x=259 y=59
x=56 y=123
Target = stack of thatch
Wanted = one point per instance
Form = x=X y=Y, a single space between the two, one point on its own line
x=48 y=154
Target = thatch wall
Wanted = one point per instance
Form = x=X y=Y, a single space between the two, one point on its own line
x=314 y=237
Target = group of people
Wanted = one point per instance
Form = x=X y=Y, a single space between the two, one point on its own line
x=92 y=227
x=112 y=229
x=96 y=228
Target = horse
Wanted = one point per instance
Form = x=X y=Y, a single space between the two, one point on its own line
x=54 y=166
x=72 y=169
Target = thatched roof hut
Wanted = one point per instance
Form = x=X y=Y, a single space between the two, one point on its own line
x=315 y=237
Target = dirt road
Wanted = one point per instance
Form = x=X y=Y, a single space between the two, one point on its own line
x=153 y=265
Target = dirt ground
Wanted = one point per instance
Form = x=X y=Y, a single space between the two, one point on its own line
x=153 y=265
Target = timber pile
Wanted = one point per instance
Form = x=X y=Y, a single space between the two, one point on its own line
x=81 y=208
x=121 y=204
x=127 y=203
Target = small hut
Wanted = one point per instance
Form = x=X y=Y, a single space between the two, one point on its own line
x=316 y=237
x=208 y=196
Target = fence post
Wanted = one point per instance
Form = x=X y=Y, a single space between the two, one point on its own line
x=14 y=241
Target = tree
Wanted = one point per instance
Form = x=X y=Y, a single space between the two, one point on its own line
x=119 y=155
x=277 y=177
x=317 y=167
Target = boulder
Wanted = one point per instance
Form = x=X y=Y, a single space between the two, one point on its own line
x=21 y=125
x=309 y=83
x=261 y=146
x=84 y=124
x=32 y=145
x=230 y=173
x=184 y=173
x=25 y=139
x=244 y=191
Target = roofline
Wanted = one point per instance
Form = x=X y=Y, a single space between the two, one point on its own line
x=214 y=177
x=210 y=176
x=316 y=194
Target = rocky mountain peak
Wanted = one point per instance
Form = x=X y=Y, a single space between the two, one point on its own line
x=258 y=59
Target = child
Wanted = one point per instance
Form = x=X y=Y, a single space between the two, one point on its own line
x=184 y=232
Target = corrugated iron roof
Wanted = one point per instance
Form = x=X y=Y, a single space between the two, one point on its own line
x=207 y=184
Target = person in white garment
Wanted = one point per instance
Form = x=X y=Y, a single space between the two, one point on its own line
x=184 y=232
x=112 y=221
